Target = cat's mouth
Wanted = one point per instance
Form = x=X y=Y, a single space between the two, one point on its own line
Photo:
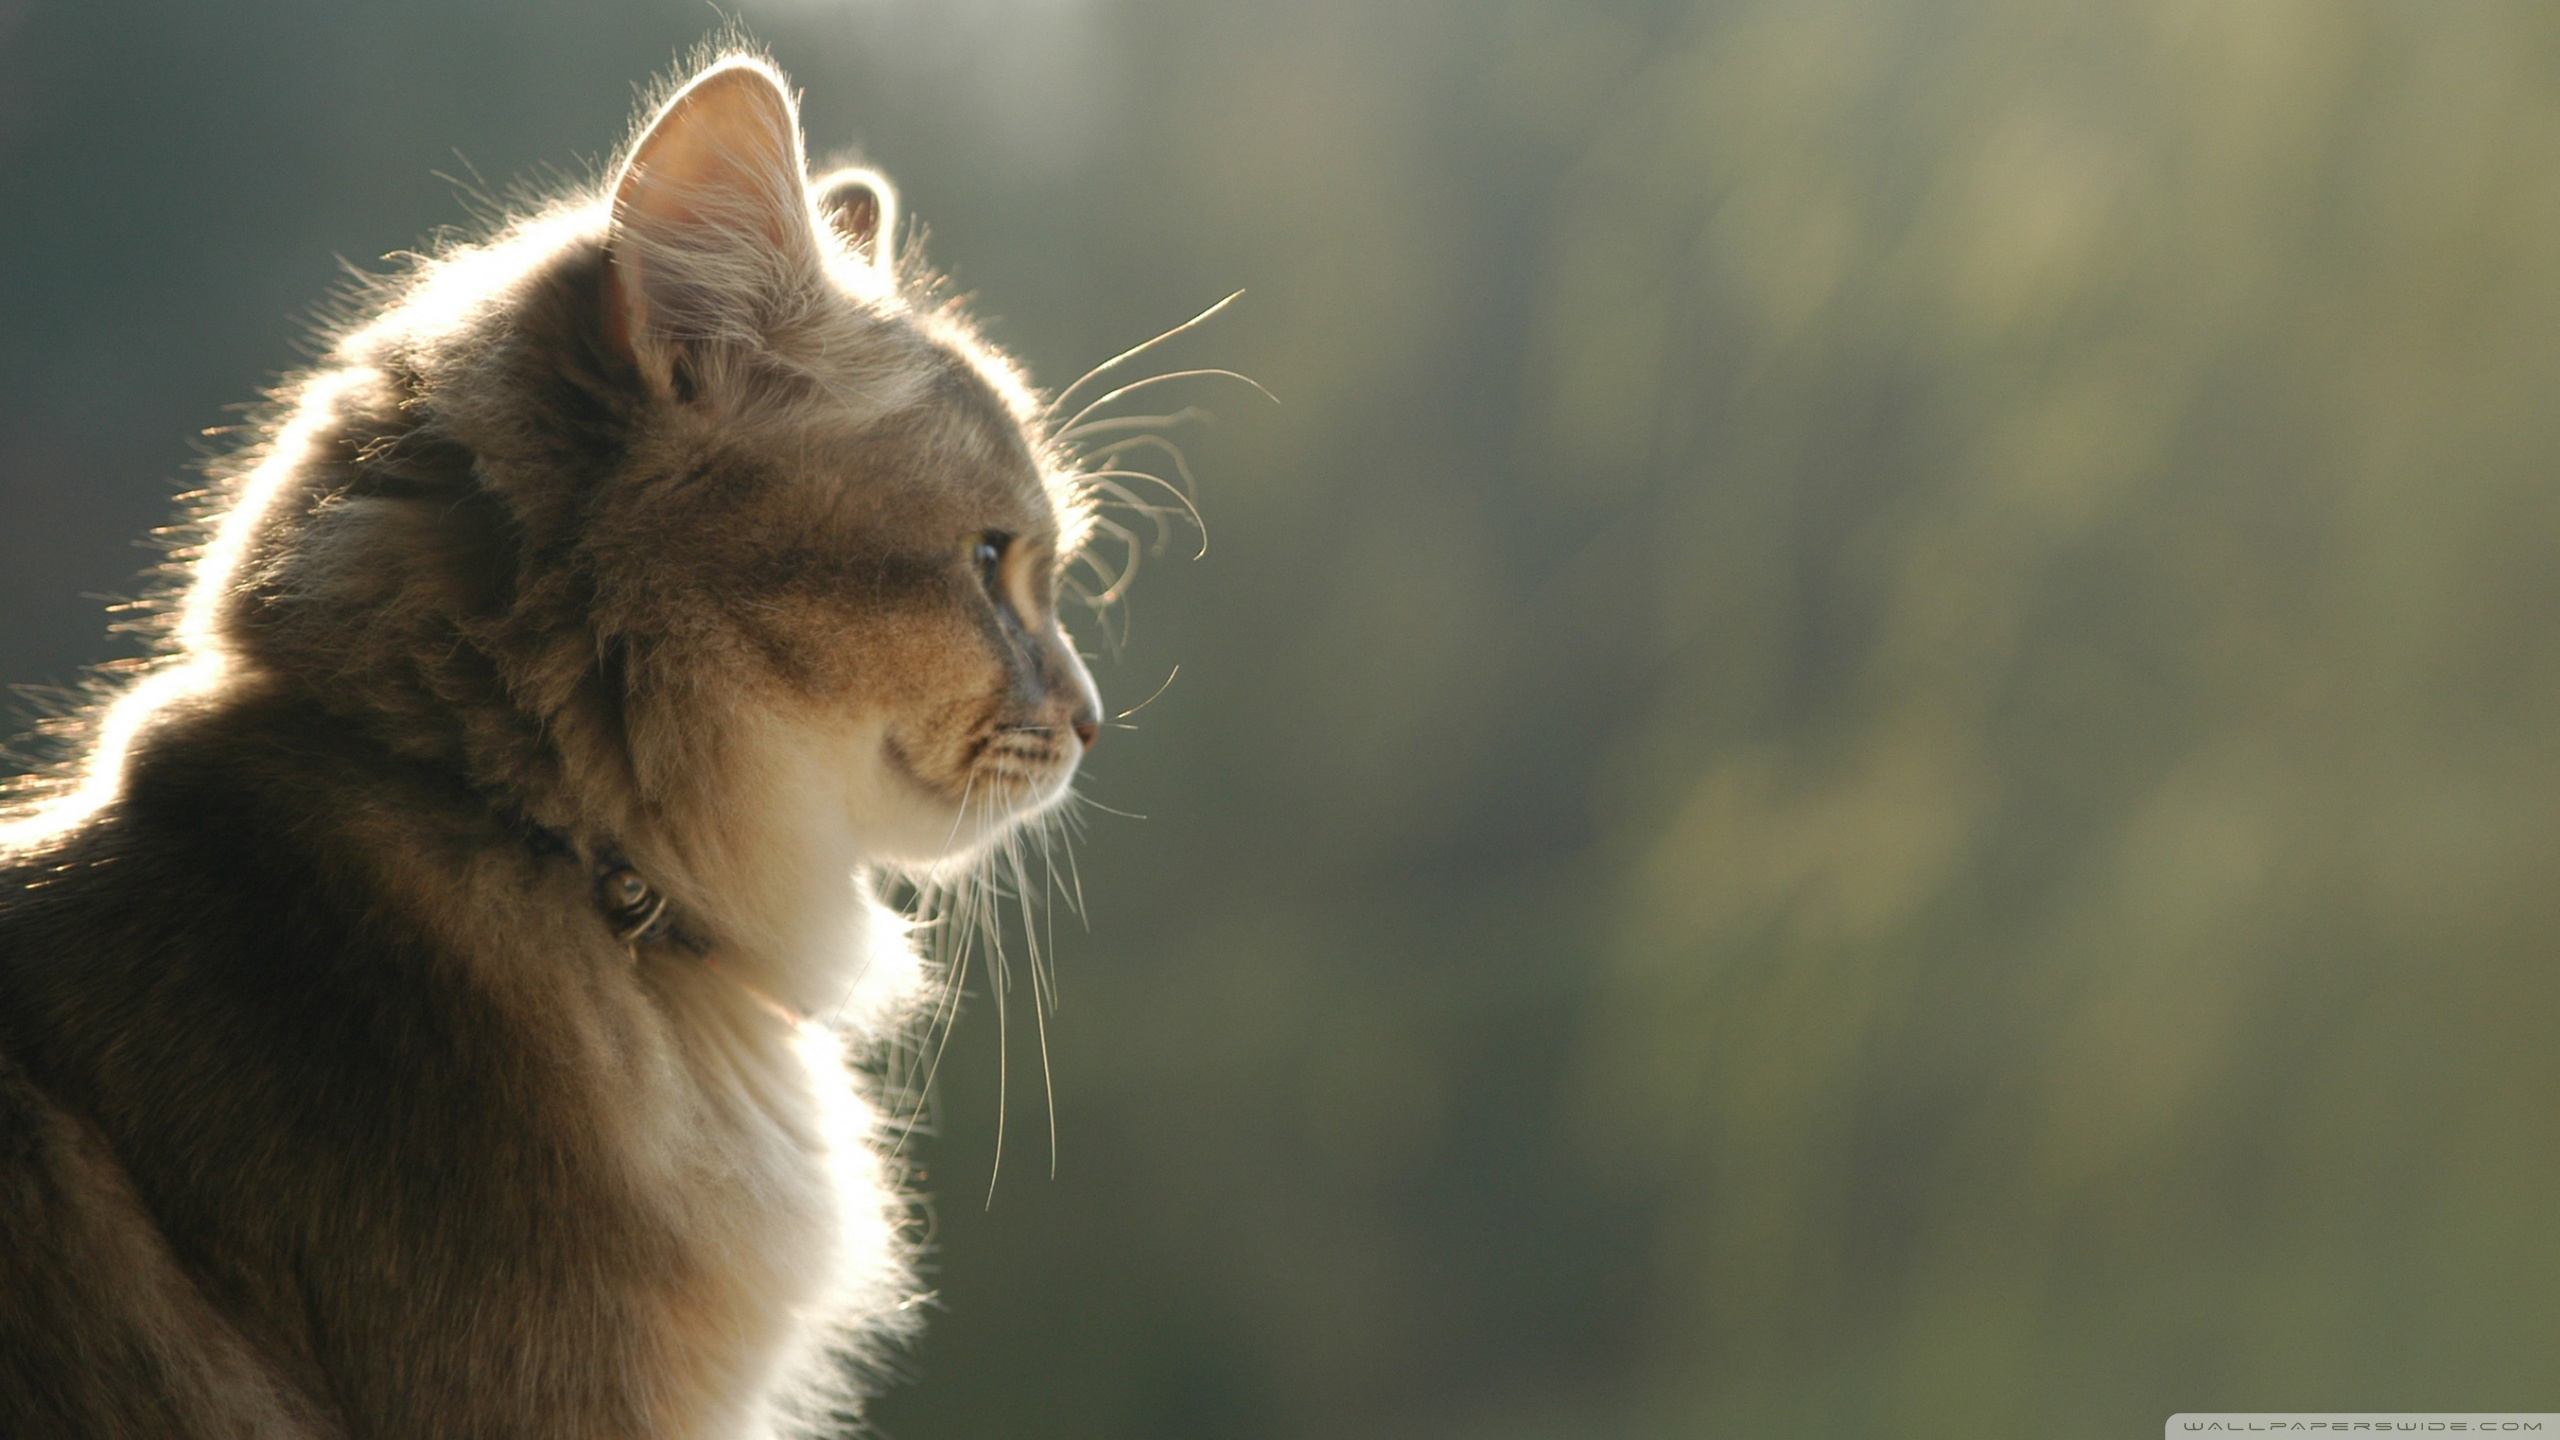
x=1007 y=772
x=1027 y=753
x=1019 y=768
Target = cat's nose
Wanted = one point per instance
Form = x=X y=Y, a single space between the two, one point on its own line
x=1088 y=728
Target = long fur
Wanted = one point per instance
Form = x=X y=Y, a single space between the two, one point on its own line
x=650 y=534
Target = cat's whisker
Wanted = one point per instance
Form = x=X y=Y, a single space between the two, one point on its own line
x=1128 y=500
x=1132 y=353
x=1101 y=605
x=1071 y=431
x=937 y=1036
x=1119 y=585
x=1156 y=511
x=966 y=913
x=1062 y=822
x=1097 y=491
x=1040 y=1018
x=1185 y=415
x=999 y=983
x=1069 y=821
x=1049 y=888
x=951 y=906
x=1181 y=462
x=1169 y=677
x=967 y=901
x=962 y=813
x=1044 y=961
x=1085 y=799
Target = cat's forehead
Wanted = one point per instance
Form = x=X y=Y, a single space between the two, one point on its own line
x=958 y=443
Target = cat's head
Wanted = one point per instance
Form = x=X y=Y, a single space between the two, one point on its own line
x=870 y=506
x=677 y=511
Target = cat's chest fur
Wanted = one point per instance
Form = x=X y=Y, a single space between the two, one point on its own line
x=326 y=1014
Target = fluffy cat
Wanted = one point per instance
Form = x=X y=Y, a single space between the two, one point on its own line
x=425 y=1010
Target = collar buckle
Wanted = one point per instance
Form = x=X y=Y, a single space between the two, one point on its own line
x=636 y=909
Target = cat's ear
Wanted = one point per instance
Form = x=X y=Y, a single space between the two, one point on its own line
x=711 y=228
x=863 y=208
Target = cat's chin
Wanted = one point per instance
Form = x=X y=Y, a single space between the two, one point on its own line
x=939 y=832
x=885 y=812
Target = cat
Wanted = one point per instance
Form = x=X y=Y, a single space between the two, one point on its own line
x=426 y=1008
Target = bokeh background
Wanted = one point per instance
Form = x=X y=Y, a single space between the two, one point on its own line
x=1874 y=748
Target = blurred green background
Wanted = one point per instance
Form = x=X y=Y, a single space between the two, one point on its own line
x=1871 y=751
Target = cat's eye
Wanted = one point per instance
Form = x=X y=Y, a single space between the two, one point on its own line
x=988 y=554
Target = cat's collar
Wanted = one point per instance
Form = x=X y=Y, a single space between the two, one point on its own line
x=638 y=913
x=636 y=909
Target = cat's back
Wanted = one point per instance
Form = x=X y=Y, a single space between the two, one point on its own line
x=260 y=1120
x=106 y=1327
x=102 y=1330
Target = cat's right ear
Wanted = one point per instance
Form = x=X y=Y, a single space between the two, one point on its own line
x=711 y=232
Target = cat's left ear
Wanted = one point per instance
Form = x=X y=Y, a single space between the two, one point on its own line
x=863 y=208
x=711 y=230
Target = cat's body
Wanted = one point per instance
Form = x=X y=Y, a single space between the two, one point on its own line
x=404 y=1023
